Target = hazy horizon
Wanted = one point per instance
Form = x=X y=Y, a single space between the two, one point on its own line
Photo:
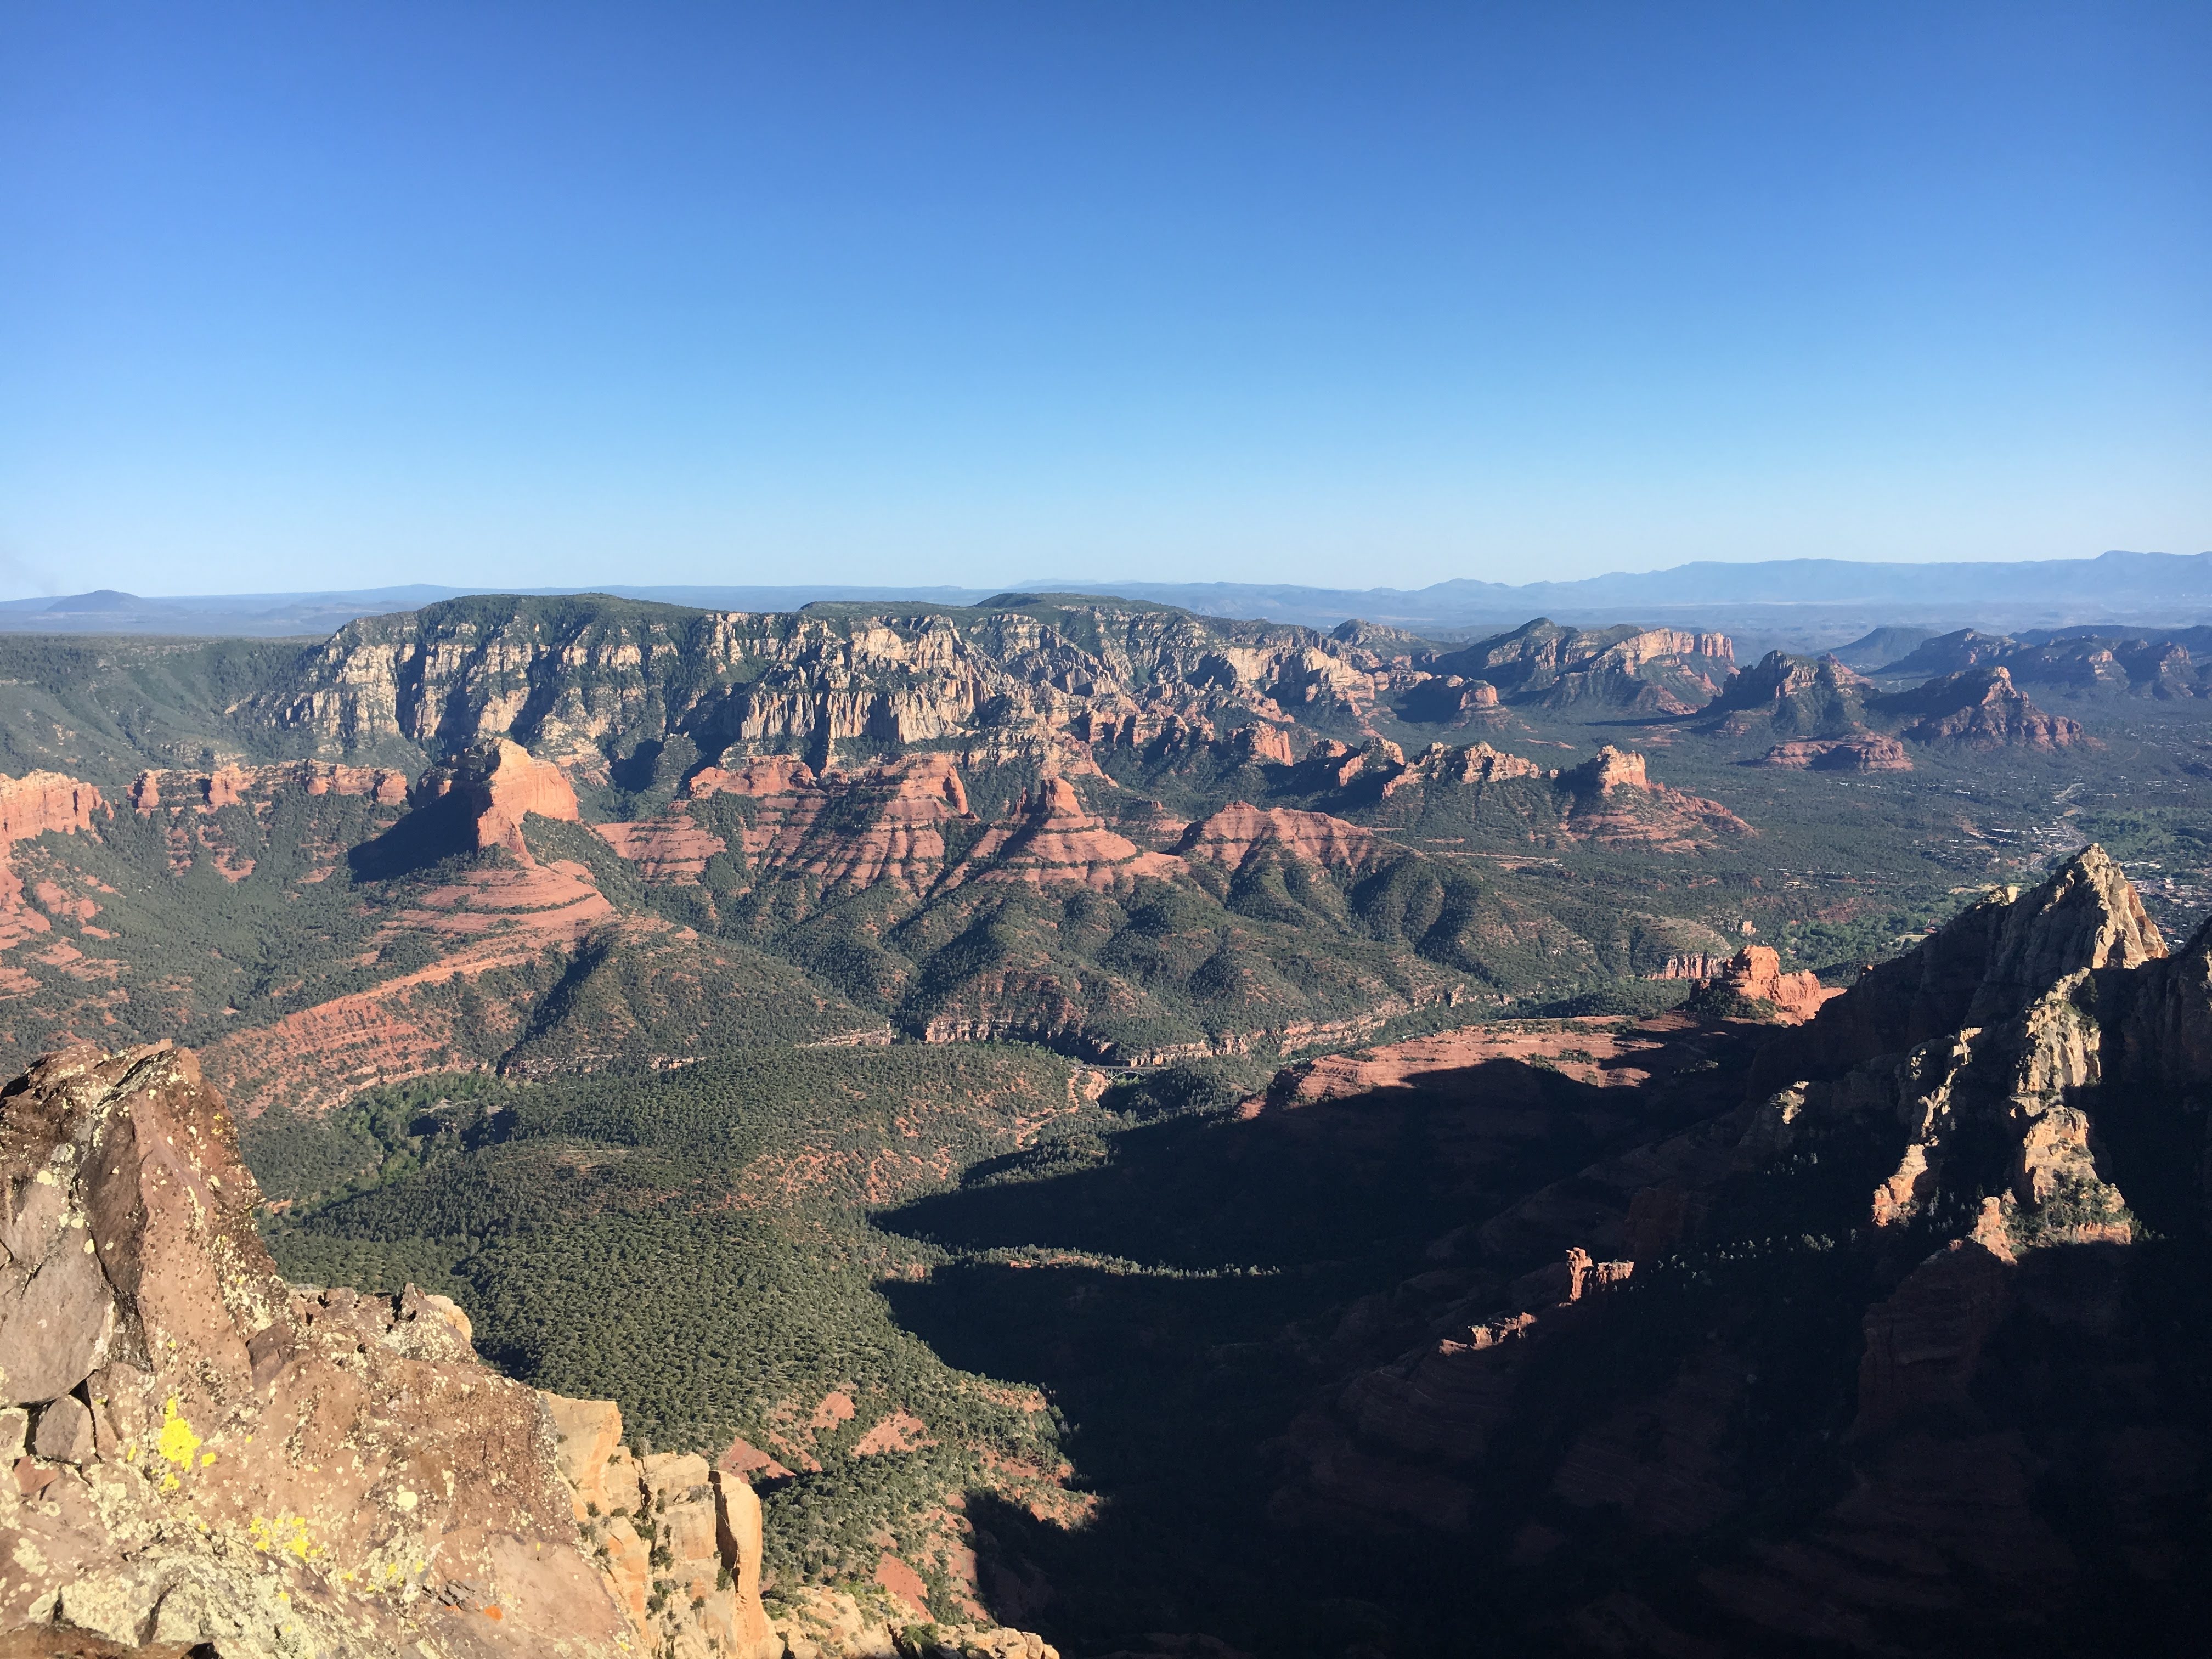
x=1068 y=580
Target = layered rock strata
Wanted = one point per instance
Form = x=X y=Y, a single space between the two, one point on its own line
x=31 y=806
x=1873 y=752
x=1049 y=837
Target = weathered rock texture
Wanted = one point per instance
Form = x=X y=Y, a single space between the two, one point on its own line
x=1874 y=752
x=1755 y=974
x=204 y=1458
x=31 y=806
x=883 y=823
x=1660 y=669
x=1979 y=708
x=495 y=786
x=221 y=1457
x=1960 y=1125
x=1240 y=831
x=1048 y=836
x=229 y=786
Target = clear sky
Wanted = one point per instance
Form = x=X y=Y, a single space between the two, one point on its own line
x=337 y=294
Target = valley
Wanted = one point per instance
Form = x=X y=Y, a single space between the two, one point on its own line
x=1205 y=1137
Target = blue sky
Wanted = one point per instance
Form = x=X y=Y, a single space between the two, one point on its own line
x=339 y=294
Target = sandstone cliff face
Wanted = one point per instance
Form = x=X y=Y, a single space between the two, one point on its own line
x=680 y=1541
x=1984 y=1082
x=1986 y=966
x=1663 y=669
x=495 y=786
x=1050 y=837
x=1613 y=802
x=1874 y=752
x=1980 y=709
x=216 y=1457
x=229 y=786
x=29 y=806
x=883 y=823
x=1787 y=693
x=32 y=804
x=565 y=678
x=1755 y=973
x=569 y=679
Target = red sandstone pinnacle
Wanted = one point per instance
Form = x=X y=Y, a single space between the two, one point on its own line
x=1756 y=972
x=497 y=784
x=1263 y=742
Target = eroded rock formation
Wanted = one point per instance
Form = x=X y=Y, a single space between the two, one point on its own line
x=216 y=1456
x=1980 y=709
x=1972 y=1113
x=31 y=806
x=1048 y=836
x=495 y=786
x=1240 y=832
x=1873 y=752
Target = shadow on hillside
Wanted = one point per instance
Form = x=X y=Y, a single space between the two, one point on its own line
x=428 y=836
x=1278 y=1254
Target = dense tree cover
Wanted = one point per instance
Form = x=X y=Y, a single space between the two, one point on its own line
x=693 y=1244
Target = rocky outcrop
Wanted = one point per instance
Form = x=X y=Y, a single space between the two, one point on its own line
x=203 y=1457
x=1953 y=653
x=1754 y=974
x=1979 y=708
x=1816 y=698
x=671 y=848
x=679 y=1540
x=229 y=786
x=1240 y=831
x=1477 y=764
x=1873 y=752
x=1262 y=746
x=566 y=677
x=495 y=786
x=1663 y=669
x=881 y=823
x=31 y=806
x=1986 y=966
x=1612 y=800
x=216 y=1456
x=1049 y=838
x=1994 y=1083
x=39 y=801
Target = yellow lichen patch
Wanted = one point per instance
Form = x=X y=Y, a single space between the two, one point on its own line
x=178 y=1442
x=288 y=1533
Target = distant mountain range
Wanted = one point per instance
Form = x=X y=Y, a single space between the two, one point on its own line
x=1799 y=603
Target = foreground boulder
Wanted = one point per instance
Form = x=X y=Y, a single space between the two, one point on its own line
x=201 y=1454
